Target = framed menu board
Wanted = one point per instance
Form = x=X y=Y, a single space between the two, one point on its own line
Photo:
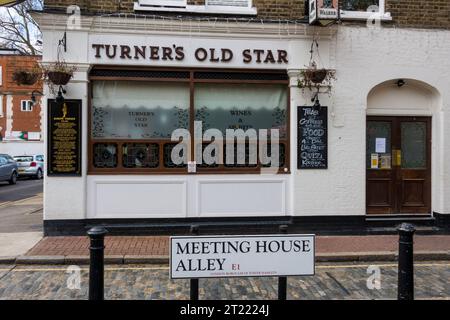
x=64 y=138
x=312 y=138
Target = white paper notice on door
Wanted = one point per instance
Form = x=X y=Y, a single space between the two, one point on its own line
x=380 y=145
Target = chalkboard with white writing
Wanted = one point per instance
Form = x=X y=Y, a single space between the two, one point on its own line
x=312 y=137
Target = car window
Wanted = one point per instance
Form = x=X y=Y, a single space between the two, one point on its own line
x=23 y=159
x=3 y=161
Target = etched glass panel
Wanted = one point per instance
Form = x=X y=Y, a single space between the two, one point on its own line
x=140 y=155
x=168 y=162
x=105 y=155
x=281 y=154
x=240 y=153
x=241 y=106
x=414 y=145
x=378 y=144
x=138 y=110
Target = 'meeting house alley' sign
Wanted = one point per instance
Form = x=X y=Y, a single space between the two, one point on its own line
x=312 y=138
x=64 y=138
x=241 y=256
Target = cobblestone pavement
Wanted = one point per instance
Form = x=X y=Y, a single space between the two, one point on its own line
x=332 y=281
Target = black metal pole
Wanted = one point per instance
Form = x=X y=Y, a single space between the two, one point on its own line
x=282 y=281
x=406 y=262
x=96 y=268
x=194 y=282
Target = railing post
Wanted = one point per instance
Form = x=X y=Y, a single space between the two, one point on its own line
x=96 y=268
x=194 y=282
x=406 y=262
x=282 y=281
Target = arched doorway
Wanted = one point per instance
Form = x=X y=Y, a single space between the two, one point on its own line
x=398 y=148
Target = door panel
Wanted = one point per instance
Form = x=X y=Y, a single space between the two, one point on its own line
x=380 y=176
x=401 y=180
x=415 y=171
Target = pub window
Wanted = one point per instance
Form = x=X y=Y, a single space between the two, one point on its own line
x=138 y=110
x=133 y=117
x=242 y=106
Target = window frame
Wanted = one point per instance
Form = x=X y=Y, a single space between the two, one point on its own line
x=364 y=15
x=164 y=3
x=184 y=7
x=29 y=106
x=161 y=170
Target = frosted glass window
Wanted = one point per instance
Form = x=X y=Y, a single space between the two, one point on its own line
x=138 y=110
x=241 y=106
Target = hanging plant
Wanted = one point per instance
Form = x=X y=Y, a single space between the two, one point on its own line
x=59 y=73
x=27 y=77
x=313 y=77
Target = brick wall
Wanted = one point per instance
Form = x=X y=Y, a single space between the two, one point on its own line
x=420 y=13
x=21 y=121
x=406 y=13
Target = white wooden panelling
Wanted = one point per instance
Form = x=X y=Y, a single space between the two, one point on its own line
x=119 y=198
x=243 y=198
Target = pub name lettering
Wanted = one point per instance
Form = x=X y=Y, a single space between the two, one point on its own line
x=177 y=53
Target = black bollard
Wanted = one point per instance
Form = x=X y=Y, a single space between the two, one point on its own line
x=96 y=268
x=406 y=262
x=282 y=281
x=194 y=282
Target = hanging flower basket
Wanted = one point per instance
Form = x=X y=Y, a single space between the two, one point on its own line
x=58 y=73
x=316 y=75
x=27 y=78
x=59 y=78
x=313 y=78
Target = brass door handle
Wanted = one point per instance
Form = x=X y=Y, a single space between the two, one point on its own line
x=397 y=158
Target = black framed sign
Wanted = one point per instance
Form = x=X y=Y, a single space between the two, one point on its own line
x=312 y=138
x=64 y=138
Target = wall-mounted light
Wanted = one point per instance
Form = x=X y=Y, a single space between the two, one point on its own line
x=400 y=83
x=33 y=95
x=316 y=101
x=60 y=97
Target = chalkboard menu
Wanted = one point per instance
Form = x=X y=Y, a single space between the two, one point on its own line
x=64 y=138
x=312 y=138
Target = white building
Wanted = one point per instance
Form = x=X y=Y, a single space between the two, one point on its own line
x=388 y=125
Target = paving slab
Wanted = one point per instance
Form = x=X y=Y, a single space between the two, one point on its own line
x=19 y=243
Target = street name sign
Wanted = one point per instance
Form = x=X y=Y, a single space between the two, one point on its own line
x=194 y=257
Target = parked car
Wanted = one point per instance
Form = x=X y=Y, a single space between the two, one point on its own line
x=8 y=169
x=30 y=166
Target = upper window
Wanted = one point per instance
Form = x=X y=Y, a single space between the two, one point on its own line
x=363 y=9
x=164 y=3
x=243 y=7
x=26 y=105
x=230 y=3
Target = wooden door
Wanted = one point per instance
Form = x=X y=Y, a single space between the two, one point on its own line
x=398 y=165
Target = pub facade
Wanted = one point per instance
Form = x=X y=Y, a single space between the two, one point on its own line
x=157 y=80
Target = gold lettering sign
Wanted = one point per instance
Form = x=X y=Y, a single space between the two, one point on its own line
x=64 y=138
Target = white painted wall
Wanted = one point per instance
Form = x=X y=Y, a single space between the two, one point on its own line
x=364 y=58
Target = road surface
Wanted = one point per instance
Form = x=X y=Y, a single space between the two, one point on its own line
x=25 y=188
x=332 y=281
